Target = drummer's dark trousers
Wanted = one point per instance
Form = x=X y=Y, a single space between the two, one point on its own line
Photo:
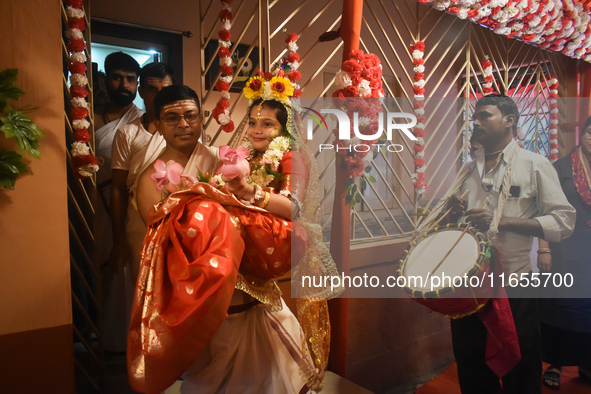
x=469 y=341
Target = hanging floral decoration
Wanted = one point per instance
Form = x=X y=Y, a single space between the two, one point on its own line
x=291 y=63
x=418 y=178
x=84 y=162
x=487 y=73
x=553 y=103
x=359 y=91
x=221 y=113
x=557 y=25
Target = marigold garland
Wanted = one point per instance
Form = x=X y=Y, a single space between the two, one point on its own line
x=85 y=163
x=558 y=25
x=418 y=178
x=221 y=114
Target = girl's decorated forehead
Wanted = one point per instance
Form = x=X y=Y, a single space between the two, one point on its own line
x=259 y=112
x=182 y=105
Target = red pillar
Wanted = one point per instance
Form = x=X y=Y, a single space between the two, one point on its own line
x=340 y=233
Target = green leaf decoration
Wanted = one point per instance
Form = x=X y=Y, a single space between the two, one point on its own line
x=357 y=197
x=11 y=166
x=353 y=203
x=18 y=125
x=363 y=185
x=348 y=199
x=7 y=89
x=368 y=169
x=371 y=179
x=203 y=177
x=354 y=189
x=376 y=152
x=349 y=182
x=270 y=170
x=349 y=188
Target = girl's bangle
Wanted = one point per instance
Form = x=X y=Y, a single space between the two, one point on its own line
x=266 y=200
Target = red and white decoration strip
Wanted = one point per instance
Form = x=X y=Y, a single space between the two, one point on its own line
x=85 y=163
x=487 y=73
x=553 y=101
x=292 y=60
x=557 y=25
x=418 y=178
x=221 y=113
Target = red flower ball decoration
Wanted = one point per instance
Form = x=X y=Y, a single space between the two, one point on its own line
x=77 y=68
x=76 y=45
x=75 y=3
x=78 y=113
x=77 y=23
x=79 y=91
x=82 y=135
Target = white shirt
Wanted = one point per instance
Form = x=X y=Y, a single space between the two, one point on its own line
x=536 y=193
x=128 y=141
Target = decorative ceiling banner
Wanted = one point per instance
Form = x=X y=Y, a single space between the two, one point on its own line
x=557 y=25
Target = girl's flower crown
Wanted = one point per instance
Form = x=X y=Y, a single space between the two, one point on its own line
x=279 y=85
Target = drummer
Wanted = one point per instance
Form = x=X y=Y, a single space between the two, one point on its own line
x=534 y=207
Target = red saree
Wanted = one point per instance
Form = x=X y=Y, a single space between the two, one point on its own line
x=191 y=256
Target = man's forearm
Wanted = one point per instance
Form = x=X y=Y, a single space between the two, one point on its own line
x=522 y=226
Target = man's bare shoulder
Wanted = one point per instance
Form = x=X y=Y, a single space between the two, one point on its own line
x=145 y=176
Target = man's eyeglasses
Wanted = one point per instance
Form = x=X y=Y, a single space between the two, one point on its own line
x=174 y=119
x=587 y=134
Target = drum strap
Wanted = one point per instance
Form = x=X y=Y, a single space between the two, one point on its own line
x=504 y=195
x=464 y=173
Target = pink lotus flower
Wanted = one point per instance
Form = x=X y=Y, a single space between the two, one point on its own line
x=234 y=162
x=167 y=173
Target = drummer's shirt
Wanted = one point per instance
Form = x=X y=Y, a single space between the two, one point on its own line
x=535 y=193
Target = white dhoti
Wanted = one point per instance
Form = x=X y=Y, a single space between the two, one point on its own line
x=253 y=352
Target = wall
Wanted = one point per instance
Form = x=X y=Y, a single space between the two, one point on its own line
x=391 y=342
x=35 y=328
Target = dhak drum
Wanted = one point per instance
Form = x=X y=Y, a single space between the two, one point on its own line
x=446 y=259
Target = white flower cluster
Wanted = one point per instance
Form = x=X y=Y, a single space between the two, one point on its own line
x=80 y=149
x=273 y=155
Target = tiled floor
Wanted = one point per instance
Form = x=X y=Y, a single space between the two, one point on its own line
x=447 y=383
x=116 y=381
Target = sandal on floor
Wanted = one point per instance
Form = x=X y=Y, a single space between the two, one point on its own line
x=551 y=378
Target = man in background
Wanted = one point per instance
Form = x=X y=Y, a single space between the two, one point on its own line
x=122 y=73
x=128 y=152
